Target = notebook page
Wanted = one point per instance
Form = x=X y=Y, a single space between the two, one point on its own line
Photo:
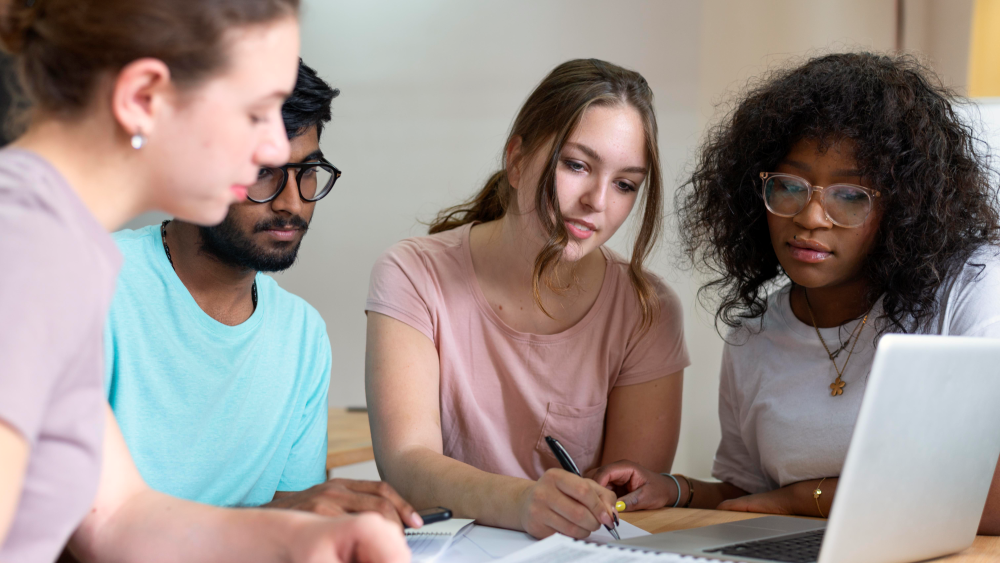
x=625 y=531
x=561 y=549
x=429 y=542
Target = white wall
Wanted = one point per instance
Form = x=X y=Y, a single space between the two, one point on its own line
x=429 y=89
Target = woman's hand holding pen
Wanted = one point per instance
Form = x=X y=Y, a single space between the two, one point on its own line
x=642 y=489
x=565 y=503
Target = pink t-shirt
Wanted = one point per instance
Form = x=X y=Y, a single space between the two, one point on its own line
x=56 y=283
x=503 y=391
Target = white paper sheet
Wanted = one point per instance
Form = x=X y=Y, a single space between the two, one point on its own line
x=625 y=530
x=561 y=549
x=483 y=544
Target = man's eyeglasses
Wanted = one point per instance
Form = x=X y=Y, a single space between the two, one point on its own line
x=845 y=205
x=314 y=179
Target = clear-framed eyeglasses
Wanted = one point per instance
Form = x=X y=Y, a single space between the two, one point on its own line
x=314 y=180
x=845 y=205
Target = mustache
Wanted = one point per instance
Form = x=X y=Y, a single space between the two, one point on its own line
x=279 y=224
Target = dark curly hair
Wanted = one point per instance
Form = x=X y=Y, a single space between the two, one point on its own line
x=934 y=173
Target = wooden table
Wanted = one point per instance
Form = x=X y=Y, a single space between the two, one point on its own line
x=349 y=439
x=985 y=548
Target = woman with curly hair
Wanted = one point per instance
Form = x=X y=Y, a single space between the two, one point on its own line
x=840 y=200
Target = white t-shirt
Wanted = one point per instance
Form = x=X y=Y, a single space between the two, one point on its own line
x=780 y=425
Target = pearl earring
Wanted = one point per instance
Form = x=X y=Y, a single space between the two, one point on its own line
x=138 y=141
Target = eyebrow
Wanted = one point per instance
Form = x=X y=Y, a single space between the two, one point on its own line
x=593 y=154
x=849 y=172
x=315 y=155
x=280 y=94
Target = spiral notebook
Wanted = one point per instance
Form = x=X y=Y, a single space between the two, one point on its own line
x=429 y=542
x=561 y=549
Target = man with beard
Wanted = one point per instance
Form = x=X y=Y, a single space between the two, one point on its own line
x=218 y=377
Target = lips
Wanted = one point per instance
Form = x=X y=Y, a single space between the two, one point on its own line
x=239 y=192
x=809 y=251
x=282 y=234
x=580 y=229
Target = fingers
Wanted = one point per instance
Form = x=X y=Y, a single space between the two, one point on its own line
x=620 y=473
x=372 y=539
x=597 y=500
x=406 y=513
x=546 y=520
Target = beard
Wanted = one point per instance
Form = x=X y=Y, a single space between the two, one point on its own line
x=229 y=245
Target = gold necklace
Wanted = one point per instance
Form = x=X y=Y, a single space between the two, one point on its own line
x=837 y=387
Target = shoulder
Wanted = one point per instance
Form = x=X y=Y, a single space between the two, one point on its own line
x=428 y=248
x=970 y=302
x=774 y=322
x=135 y=242
x=669 y=301
x=434 y=256
x=980 y=275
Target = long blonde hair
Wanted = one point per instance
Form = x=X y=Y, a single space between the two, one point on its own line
x=552 y=112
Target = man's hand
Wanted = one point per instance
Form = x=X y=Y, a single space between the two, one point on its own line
x=337 y=497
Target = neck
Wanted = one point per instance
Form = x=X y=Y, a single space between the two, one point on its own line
x=95 y=162
x=223 y=291
x=509 y=246
x=831 y=306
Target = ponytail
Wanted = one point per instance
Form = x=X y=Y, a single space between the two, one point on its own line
x=490 y=204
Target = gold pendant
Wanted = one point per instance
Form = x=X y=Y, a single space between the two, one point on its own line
x=837 y=387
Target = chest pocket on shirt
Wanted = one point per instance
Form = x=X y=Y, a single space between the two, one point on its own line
x=579 y=429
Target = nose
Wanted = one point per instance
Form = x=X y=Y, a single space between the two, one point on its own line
x=596 y=195
x=273 y=148
x=813 y=216
x=288 y=201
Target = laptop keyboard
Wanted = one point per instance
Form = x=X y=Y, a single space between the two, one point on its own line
x=799 y=548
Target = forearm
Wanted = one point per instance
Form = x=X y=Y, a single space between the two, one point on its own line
x=153 y=527
x=802 y=501
x=709 y=494
x=426 y=478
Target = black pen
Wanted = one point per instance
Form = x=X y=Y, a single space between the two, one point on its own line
x=568 y=464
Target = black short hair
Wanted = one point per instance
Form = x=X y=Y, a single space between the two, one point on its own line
x=309 y=103
x=909 y=141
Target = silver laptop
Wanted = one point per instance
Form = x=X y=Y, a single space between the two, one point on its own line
x=917 y=472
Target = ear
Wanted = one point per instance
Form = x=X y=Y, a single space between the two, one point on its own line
x=139 y=92
x=514 y=160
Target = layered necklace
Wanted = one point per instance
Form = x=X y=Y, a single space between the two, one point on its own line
x=837 y=387
x=166 y=249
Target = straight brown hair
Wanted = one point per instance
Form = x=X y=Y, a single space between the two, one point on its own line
x=63 y=47
x=551 y=113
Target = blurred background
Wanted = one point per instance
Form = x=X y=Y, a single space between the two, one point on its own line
x=429 y=89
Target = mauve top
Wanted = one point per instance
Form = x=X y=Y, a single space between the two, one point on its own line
x=56 y=283
x=502 y=391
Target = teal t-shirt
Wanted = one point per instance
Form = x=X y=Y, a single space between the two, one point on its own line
x=223 y=415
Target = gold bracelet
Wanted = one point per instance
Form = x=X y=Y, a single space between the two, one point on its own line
x=816 y=494
x=690 y=490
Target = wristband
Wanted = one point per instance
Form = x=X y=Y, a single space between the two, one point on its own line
x=676 y=482
x=690 y=490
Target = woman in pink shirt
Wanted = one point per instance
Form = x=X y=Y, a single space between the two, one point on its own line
x=512 y=322
x=136 y=105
